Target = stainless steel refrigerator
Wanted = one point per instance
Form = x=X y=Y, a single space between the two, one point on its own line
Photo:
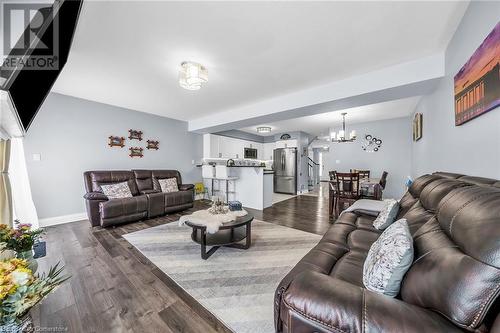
x=285 y=170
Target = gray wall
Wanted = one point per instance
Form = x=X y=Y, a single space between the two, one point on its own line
x=71 y=135
x=474 y=147
x=394 y=156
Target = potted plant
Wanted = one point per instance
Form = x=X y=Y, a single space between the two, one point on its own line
x=21 y=240
x=20 y=290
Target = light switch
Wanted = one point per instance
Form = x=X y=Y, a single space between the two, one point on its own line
x=337 y=161
x=37 y=157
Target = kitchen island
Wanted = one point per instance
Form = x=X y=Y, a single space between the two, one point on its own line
x=251 y=185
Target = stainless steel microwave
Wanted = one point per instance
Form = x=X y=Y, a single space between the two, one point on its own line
x=251 y=153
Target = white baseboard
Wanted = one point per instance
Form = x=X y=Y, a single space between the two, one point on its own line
x=62 y=219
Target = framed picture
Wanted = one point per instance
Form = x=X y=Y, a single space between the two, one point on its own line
x=116 y=141
x=477 y=83
x=135 y=135
x=153 y=144
x=417 y=126
x=136 y=152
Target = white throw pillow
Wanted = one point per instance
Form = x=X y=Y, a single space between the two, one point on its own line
x=168 y=185
x=387 y=215
x=117 y=190
x=389 y=259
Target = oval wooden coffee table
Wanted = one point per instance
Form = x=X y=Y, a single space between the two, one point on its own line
x=230 y=234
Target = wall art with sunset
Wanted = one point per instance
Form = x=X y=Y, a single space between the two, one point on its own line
x=477 y=84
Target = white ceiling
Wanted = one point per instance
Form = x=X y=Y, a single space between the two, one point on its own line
x=128 y=53
x=319 y=124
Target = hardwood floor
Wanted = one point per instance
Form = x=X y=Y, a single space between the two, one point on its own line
x=114 y=288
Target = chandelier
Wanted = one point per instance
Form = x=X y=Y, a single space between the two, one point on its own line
x=192 y=75
x=341 y=135
x=264 y=129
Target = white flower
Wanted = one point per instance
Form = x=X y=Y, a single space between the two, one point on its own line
x=19 y=277
x=6 y=254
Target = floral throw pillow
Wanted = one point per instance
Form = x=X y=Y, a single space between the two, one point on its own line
x=388 y=260
x=387 y=215
x=117 y=190
x=168 y=185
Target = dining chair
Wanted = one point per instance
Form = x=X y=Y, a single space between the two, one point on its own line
x=362 y=173
x=383 y=180
x=332 y=202
x=377 y=190
x=347 y=190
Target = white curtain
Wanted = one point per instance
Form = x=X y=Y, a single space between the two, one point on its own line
x=5 y=188
x=24 y=208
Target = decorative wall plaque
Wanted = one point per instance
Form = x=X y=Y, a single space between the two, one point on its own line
x=153 y=144
x=135 y=135
x=116 y=141
x=135 y=152
x=285 y=136
x=372 y=144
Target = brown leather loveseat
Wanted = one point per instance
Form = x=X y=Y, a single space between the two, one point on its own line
x=147 y=200
x=453 y=284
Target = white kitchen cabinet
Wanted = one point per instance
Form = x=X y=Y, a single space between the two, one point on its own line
x=287 y=143
x=215 y=146
x=268 y=151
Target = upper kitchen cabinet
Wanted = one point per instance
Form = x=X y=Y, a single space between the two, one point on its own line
x=287 y=143
x=267 y=152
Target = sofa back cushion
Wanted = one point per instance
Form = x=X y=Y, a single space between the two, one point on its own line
x=94 y=180
x=456 y=270
x=144 y=180
x=148 y=179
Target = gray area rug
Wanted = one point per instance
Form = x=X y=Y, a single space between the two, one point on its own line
x=237 y=286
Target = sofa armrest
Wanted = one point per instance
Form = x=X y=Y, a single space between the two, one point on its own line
x=95 y=196
x=150 y=191
x=186 y=187
x=317 y=300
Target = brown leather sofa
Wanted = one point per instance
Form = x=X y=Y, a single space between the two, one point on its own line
x=148 y=201
x=453 y=284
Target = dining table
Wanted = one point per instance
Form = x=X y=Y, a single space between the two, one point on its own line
x=369 y=188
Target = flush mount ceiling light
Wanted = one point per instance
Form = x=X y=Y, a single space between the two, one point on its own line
x=263 y=129
x=341 y=135
x=192 y=75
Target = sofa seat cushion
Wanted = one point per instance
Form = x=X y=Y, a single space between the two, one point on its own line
x=349 y=268
x=358 y=221
x=125 y=206
x=352 y=240
x=178 y=198
x=317 y=303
